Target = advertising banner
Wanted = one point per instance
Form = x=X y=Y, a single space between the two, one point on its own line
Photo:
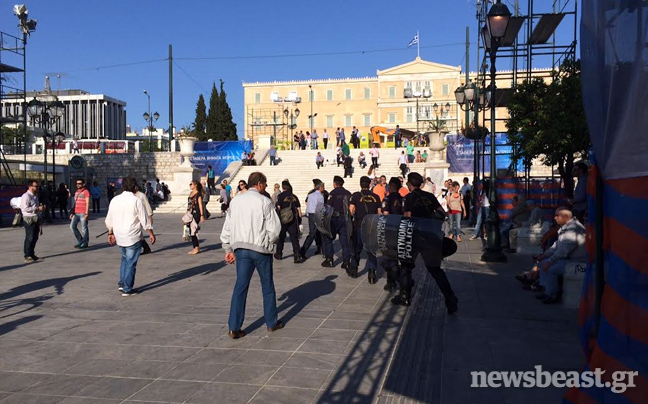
x=461 y=152
x=218 y=154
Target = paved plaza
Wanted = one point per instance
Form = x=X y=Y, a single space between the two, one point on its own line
x=68 y=336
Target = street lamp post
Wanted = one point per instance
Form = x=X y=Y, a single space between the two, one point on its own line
x=149 y=119
x=409 y=94
x=57 y=138
x=497 y=20
x=311 y=116
x=289 y=113
x=47 y=113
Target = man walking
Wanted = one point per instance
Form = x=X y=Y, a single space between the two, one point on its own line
x=363 y=203
x=374 y=156
x=403 y=164
x=95 y=192
x=273 y=155
x=314 y=139
x=80 y=212
x=124 y=221
x=211 y=178
x=339 y=200
x=419 y=203
x=314 y=198
x=248 y=237
x=146 y=249
x=30 y=209
x=289 y=213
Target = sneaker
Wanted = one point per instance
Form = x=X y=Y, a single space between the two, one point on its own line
x=29 y=259
x=473 y=238
x=35 y=258
x=129 y=293
x=83 y=245
x=120 y=288
x=78 y=245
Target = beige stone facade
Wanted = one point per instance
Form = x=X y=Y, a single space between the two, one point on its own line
x=361 y=102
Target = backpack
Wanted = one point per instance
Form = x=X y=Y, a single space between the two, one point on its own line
x=286 y=215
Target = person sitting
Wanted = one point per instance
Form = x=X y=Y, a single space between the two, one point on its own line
x=424 y=156
x=534 y=220
x=362 y=160
x=551 y=264
x=418 y=158
x=519 y=214
x=244 y=158
x=319 y=160
x=250 y=159
x=348 y=166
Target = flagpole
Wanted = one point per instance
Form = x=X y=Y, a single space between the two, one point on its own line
x=418 y=45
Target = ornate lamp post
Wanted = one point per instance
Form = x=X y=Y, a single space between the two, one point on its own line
x=497 y=21
x=409 y=94
x=289 y=113
x=47 y=113
x=149 y=118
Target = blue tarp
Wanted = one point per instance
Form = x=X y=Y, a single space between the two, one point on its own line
x=218 y=154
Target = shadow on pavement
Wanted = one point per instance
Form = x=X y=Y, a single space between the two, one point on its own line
x=204 y=269
x=296 y=299
x=12 y=325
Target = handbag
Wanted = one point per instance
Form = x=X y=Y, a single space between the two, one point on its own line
x=187 y=218
x=17 y=219
x=286 y=215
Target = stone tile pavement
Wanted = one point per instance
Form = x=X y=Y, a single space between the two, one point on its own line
x=67 y=336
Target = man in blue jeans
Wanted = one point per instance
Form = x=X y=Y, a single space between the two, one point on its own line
x=80 y=212
x=249 y=235
x=483 y=208
x=124 y=221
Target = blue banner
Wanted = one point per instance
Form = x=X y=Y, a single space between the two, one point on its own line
x=218 y=154
x=461 y=152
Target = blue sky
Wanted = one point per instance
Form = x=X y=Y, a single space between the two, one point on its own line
x=84 y=40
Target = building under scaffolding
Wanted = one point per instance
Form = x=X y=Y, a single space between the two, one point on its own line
x=270 y=122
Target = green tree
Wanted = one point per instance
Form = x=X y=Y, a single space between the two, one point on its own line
x=212 y=123
x=547 y=121
x=200 y=124
x=226 y=123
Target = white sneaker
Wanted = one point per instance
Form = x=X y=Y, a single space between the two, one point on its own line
x=473 y=238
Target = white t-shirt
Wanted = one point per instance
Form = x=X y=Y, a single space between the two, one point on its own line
x=373 y=152
x=403 y=159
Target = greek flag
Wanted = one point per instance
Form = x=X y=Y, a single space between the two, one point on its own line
x=414 y=41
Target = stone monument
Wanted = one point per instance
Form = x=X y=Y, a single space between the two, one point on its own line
x=436 y=167
x=185 y=172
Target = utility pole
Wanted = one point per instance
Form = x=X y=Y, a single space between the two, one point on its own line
x=170 y=96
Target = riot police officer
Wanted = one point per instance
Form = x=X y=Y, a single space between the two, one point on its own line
x=392 y=205
x=339 y=201
x=419 y=203
x=362 y=204
x=289 y=211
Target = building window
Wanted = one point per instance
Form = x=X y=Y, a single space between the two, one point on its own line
x=418 y=86
x=347 y=94
x=408 y=114
x=366 y=119
x=408 y=84
x=391 y=117
x=348 y=120
x=367 y=93
x=329 y=121
x=392 y=92
x=446 y=89
x=257 y=98
x=329 y=95
x=427 y=111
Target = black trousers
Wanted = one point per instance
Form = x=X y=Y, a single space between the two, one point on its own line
x=437 y=273
x=312 y=234
x=96 y=205
x=31 y=237
x=325 y=140
x=293 y=232
x=374 y=161
x=211 y=185
x=392 y=269
x=403 y=168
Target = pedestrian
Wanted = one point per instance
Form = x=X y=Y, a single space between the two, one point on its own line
x=110 y=191
x=224 y=199
x=125 y=219
x=95 y=192
x=392 y=205
x=196 y=208
x=403 y=163
x=228 y=188
x=211 y=178
x=465 y=191
x=456 y=207
x=381 y=188
x=314 y=137
x=314 y=198
x=242 y=187
x=339 y=200
x=275 y=193
x=75 y=146
x=363 y=203
x=337 y=138
x=51 y=199
x=80 y=213
x=419 y=203
x=348 y=166
x=248 y=237
x=397 y=137
x=362 y=160
x=482 y=206
x=273 y=155
x=206 y=198
x=146 y=249
x=62 y=198
x=342 y=137
x=374 y=155
x=319 y=160
x=289 y=210
x=325 y=138
x=31 y=211
x=410 y=152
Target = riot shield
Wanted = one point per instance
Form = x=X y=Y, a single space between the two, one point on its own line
x=323 y=214
x=404 y=238
x=349 y=226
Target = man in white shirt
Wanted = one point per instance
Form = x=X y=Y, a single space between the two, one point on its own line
x=30 y=209
x=403 y=163
x=374 y=156
x=124 y=221
x=314 y=198
x=149 y=212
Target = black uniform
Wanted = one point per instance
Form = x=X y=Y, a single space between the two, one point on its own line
x=365 y=202
x=393 y=205
x=287 y=199
x=338 y=223
x=348 y=167
x=423 y=204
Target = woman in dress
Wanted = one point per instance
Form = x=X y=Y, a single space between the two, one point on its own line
x=195 y=206
x=455 y=208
